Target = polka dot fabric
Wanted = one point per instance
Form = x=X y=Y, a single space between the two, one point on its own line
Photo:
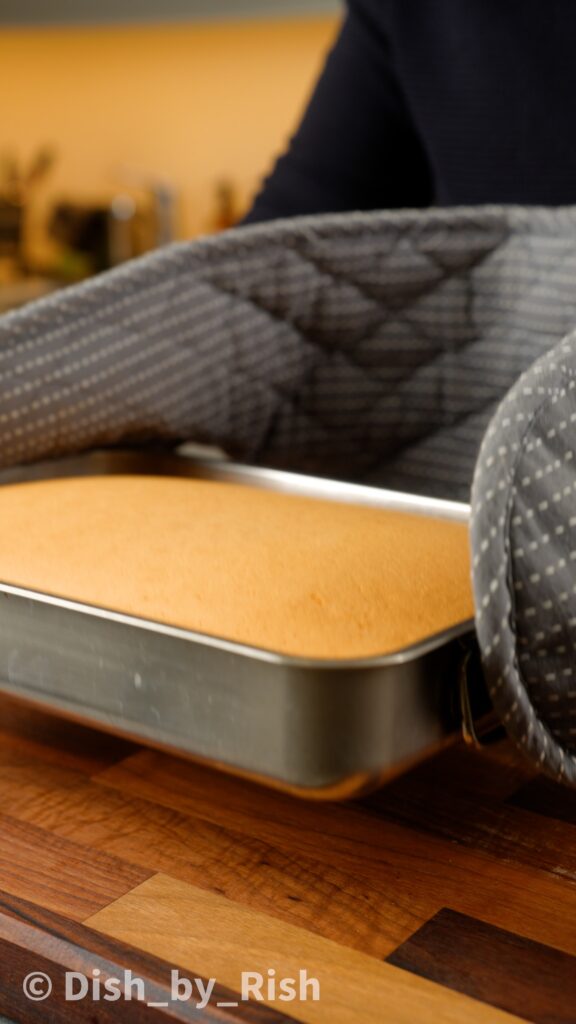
x=524 y=560
x=371 y=347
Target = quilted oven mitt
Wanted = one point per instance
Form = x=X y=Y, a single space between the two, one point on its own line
x=524 y=560
x=373 y=346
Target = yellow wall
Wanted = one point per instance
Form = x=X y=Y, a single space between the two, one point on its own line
x=190 y=103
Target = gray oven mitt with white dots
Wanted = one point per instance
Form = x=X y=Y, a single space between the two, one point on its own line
x=524 y=560
x=372 y=346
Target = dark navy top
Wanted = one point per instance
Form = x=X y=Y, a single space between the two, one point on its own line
x=436 y=102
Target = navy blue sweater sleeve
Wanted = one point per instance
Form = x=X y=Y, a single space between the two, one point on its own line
x=356 y=147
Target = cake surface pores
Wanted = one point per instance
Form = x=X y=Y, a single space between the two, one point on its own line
x=299 y=576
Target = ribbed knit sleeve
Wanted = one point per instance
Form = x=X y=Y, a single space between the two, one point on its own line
x=445 y=103
x=356 y=147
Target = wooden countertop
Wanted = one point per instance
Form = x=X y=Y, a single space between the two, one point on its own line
x=449 y=896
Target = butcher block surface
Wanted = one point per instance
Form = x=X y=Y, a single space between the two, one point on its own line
x=448 y=896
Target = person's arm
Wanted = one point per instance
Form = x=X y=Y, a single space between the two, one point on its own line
x=356 y=147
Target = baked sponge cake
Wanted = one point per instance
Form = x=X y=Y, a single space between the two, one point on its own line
x=299 y=576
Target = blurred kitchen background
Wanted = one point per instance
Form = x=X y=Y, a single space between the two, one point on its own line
x=127 y=124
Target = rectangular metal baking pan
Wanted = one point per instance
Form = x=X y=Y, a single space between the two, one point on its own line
x=324 y=728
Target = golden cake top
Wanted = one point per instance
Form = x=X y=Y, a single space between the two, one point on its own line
x=300 y=576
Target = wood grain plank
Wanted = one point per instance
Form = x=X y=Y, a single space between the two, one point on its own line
x=352 y=833
x=481 y=811
x=514 y=974
x=33 y=939
x=312 y=893
x=58 y=873
x=542 y=796
x=194 y=864
x=393 y=858
x=203 y=932
x=243 y=870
